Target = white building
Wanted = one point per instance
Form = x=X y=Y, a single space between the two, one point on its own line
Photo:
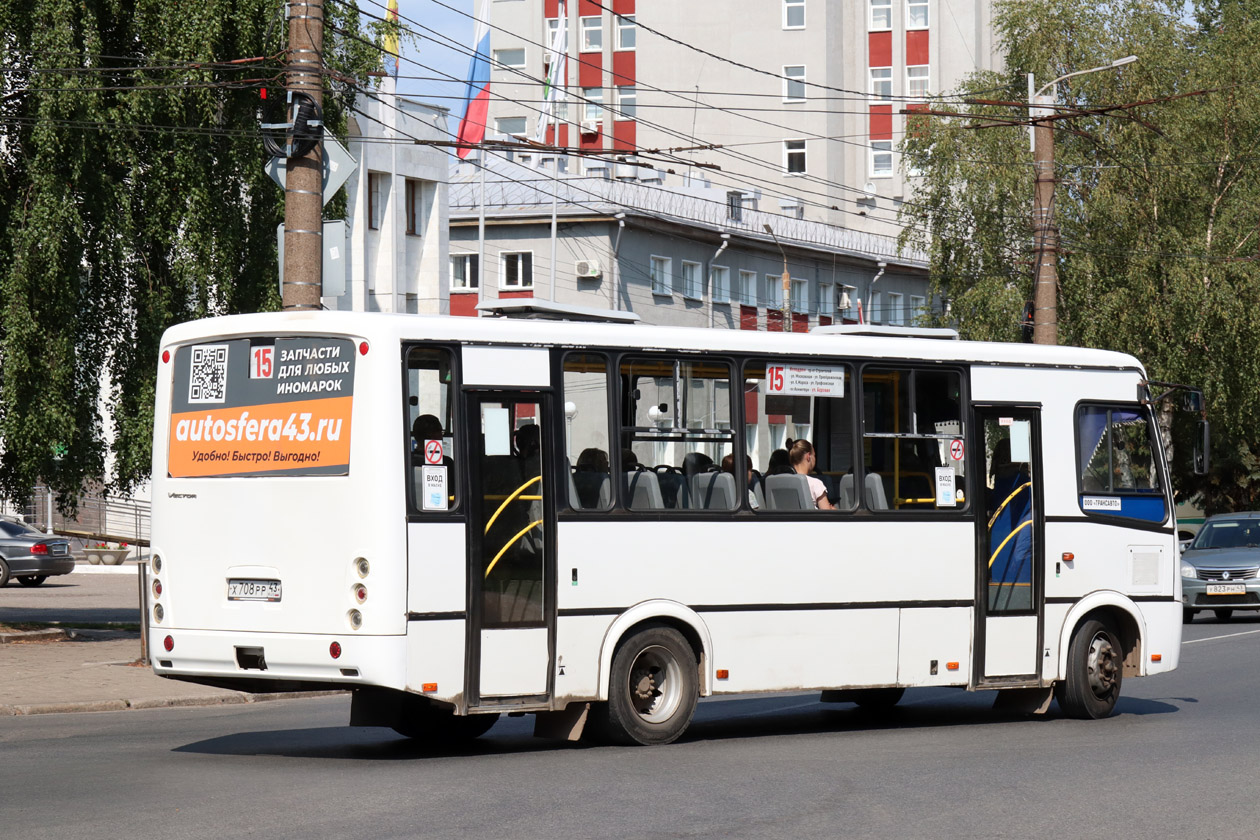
x=815 y=131
x=396 y=228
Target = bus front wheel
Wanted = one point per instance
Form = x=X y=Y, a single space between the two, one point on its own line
x=652 y=691
x=1095 y=668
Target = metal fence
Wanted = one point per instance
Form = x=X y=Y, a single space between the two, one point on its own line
x=100 y=517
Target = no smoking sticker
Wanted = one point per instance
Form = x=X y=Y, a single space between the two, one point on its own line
x=433 y=452
x=956 y=449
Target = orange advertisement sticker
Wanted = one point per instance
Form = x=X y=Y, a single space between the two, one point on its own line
x=295 y=436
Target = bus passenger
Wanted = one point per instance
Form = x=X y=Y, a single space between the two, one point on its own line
x=728 y=466
x=427 y=427
x=590 y=474
x=780 y=462
x=803 y=461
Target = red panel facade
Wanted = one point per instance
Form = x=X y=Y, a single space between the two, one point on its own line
x=591 y=71
x=800 y=322
x=624 y=132
x=588 y=8
x=774 y=320
x=623 y=67
x=464 y=303
x=750 y=406
x=917 y=47
x=881 y=122
x=623 y=7
x=879 y=49
x=824 y=320
x=748 y=318
x=529 y=293
x=551 y=8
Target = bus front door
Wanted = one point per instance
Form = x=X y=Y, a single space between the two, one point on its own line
x=511 y=528
x=1009 y=551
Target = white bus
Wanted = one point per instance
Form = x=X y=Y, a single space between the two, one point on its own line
x=593 y=523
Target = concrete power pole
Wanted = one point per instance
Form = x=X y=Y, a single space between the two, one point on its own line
x=1045 y=239
x=303 y=191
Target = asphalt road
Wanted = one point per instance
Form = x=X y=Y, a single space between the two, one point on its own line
x=74 y=598
x=1178 y=760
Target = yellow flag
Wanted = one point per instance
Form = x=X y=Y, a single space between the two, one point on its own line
x=391 y=40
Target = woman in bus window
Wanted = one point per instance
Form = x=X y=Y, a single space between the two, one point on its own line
x=803 y=460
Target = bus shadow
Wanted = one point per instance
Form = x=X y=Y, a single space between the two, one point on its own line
x=716 y=720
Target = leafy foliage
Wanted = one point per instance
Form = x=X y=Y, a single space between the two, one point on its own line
x=1156 y=201
x=132 y=197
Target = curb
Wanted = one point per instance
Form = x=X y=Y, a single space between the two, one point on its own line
x=234 y=699
x=127 y=568
x=34 y=635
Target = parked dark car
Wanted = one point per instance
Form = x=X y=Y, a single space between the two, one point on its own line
x=30 y=556
x=1220 y=569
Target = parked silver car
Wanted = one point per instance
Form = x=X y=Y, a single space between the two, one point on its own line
x=1220 y=569
x=31 y=556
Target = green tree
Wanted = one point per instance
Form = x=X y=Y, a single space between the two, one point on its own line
x=1155 y=202
x=132 y=197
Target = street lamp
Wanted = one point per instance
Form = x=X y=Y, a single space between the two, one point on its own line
x=570 y=411
x=1045 y=237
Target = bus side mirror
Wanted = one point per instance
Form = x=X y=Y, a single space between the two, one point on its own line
x=1194 y=401
x=1202 y=448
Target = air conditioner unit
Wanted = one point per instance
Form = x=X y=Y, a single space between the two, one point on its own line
x=845 y=302
x=590 y=128
x=586 y=268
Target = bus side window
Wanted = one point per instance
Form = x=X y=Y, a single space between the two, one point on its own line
x=431 y=430
x=586 y=432
x=782 y=401
x=912 y=428
x=1118 y=469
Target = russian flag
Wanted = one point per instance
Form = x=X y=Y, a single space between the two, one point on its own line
x=472 y=128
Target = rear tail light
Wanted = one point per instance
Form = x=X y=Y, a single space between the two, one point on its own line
x=168 y=643
x=334 y=650
x=157 y=588
x=360 y=593
x=39 y=548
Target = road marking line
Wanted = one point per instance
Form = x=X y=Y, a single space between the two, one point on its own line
x=1226 y=636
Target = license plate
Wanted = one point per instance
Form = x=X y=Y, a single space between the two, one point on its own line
x=1226 y=589
x=60 y=549
x=240 y=589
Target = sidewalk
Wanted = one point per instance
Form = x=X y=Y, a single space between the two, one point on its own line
x=66 y=670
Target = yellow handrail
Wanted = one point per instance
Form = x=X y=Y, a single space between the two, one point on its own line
x=509 y=544
x=998 y=550
x=509 y=499
x=1007 y=501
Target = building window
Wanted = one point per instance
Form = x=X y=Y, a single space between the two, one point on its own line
x=464 y=273
x=748 y=288
x=592 y=34
x=518 y=271
x=552 y=24
x=692 y=287
x=416 y=203
x=593 y=107
x=881 y=14
x=881 y=159
x=514 y=57
x=896 y=314
x=773 y=295
x=378 y=194
x=794 y=157
x=625 y=32
x=661 y=274
x=800 y=297
x=916 y=14
x=794 y=83
x=626 y=95
x=874 y=315
x=881 y=83
x=917 y=81
x=826 y=299
x=511 y=126
x=918 y=308
x=793 y=14
x=720 y=283
x=735 y=206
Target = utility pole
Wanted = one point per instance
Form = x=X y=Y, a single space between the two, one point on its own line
x=786 y=306
x=1045 y=238
x=304 y=175
x=1045 y=233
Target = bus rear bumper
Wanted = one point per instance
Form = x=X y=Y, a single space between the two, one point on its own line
x=263 y=662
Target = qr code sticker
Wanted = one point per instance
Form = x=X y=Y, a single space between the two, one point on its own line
x=207 y=378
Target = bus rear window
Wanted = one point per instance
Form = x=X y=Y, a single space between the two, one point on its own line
x=262 y=406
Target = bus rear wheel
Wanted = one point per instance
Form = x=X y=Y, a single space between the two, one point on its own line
x=439 y=727
x=1095 y=669
x=652 y=691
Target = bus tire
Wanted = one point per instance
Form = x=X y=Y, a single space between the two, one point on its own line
x=441 y=728
x=652 y=690
x=1095 y=668
x=878 y=699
